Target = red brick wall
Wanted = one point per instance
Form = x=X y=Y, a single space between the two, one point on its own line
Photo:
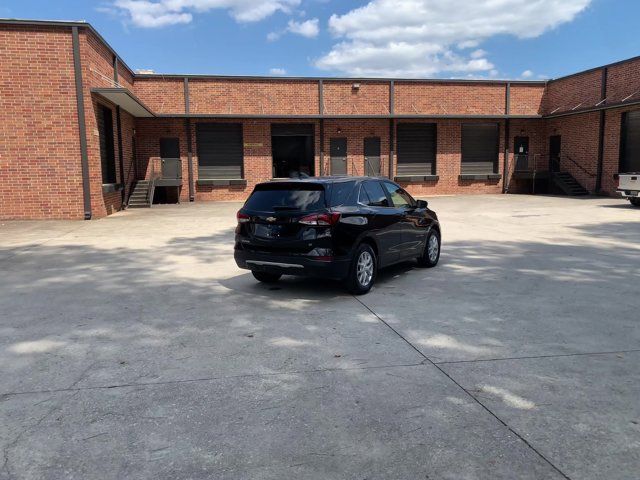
x=356 y=131
x=292 y=97
x=371 y=98
x=40 y=173
x=97 y=71
x=449 y=98
x=623 y=80
x=526 y=99
x=253 y=97
x=148 y=135
x=580 y=142
x=565 y=94
x=161 y=95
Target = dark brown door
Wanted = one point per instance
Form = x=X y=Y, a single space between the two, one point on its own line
x=372 y=156
x=555 y=147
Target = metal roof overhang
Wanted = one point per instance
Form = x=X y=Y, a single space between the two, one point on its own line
x=332 y=117
x=125 y=100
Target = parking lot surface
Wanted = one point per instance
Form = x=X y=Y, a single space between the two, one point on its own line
x=133 y=347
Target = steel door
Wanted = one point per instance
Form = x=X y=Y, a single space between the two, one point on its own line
x=170 y=155
x=338 y=152
x=521 y=153
x=555 y=147
x=372 y=156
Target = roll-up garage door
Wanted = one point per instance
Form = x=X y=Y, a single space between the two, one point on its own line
x=416 y=149
x=630 y=151
x=219 y=147
x=480 y=148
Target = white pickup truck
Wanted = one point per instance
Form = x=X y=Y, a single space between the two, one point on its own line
x=629 y=187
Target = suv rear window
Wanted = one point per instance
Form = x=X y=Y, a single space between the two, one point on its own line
x=286 y=196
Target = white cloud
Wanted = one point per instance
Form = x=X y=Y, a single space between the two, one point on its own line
x=277 y=71
x=418 y=37
x=159 y=13
x=308 y=28
x=527 y=74
x=468 y=44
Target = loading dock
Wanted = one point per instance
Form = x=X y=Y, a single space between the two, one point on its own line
x=292 y=150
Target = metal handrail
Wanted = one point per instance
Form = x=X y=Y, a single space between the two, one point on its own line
x=153 y=176
x=133 y=167
x=592 y=175
x=354 y=169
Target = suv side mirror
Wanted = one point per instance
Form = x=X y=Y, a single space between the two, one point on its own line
x=422 y=204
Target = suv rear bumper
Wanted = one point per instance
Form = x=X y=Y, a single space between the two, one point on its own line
x=336 y=269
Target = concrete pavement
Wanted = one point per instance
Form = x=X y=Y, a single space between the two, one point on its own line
x=132 y=347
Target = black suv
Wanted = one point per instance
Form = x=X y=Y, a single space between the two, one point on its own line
x=342 y=228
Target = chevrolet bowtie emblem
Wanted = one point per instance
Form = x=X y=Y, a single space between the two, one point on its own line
x=271 y=219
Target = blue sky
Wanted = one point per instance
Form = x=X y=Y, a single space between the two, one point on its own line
x=415 y=38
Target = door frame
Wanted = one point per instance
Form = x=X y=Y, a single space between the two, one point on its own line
x=515 y=152
x=306 y=130
x=378 y=140
x=346 y=155
x=552 y=164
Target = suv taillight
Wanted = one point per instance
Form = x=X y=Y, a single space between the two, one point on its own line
x=320 y=219
x=242 y=217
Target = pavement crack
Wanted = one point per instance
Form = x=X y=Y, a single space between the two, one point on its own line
x=529 y=357
x=12 y=444
x=213 y=379
x=466 y=391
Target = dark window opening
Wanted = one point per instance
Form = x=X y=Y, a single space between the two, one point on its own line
x=480 y=146
x=292 y=150
x=170 y=157
x=107 y=149
x=417 y=147
x=630 y=142
x=220 y=150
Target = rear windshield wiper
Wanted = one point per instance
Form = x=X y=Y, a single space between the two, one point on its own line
x=284 y=207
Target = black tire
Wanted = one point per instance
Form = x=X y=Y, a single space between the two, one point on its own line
x=428 y=258
x=266 y=277
x=359 y=281
x=635 y=201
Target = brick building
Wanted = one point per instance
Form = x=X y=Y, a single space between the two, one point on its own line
x=82 y=135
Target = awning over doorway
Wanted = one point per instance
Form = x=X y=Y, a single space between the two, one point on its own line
x=125 y=100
